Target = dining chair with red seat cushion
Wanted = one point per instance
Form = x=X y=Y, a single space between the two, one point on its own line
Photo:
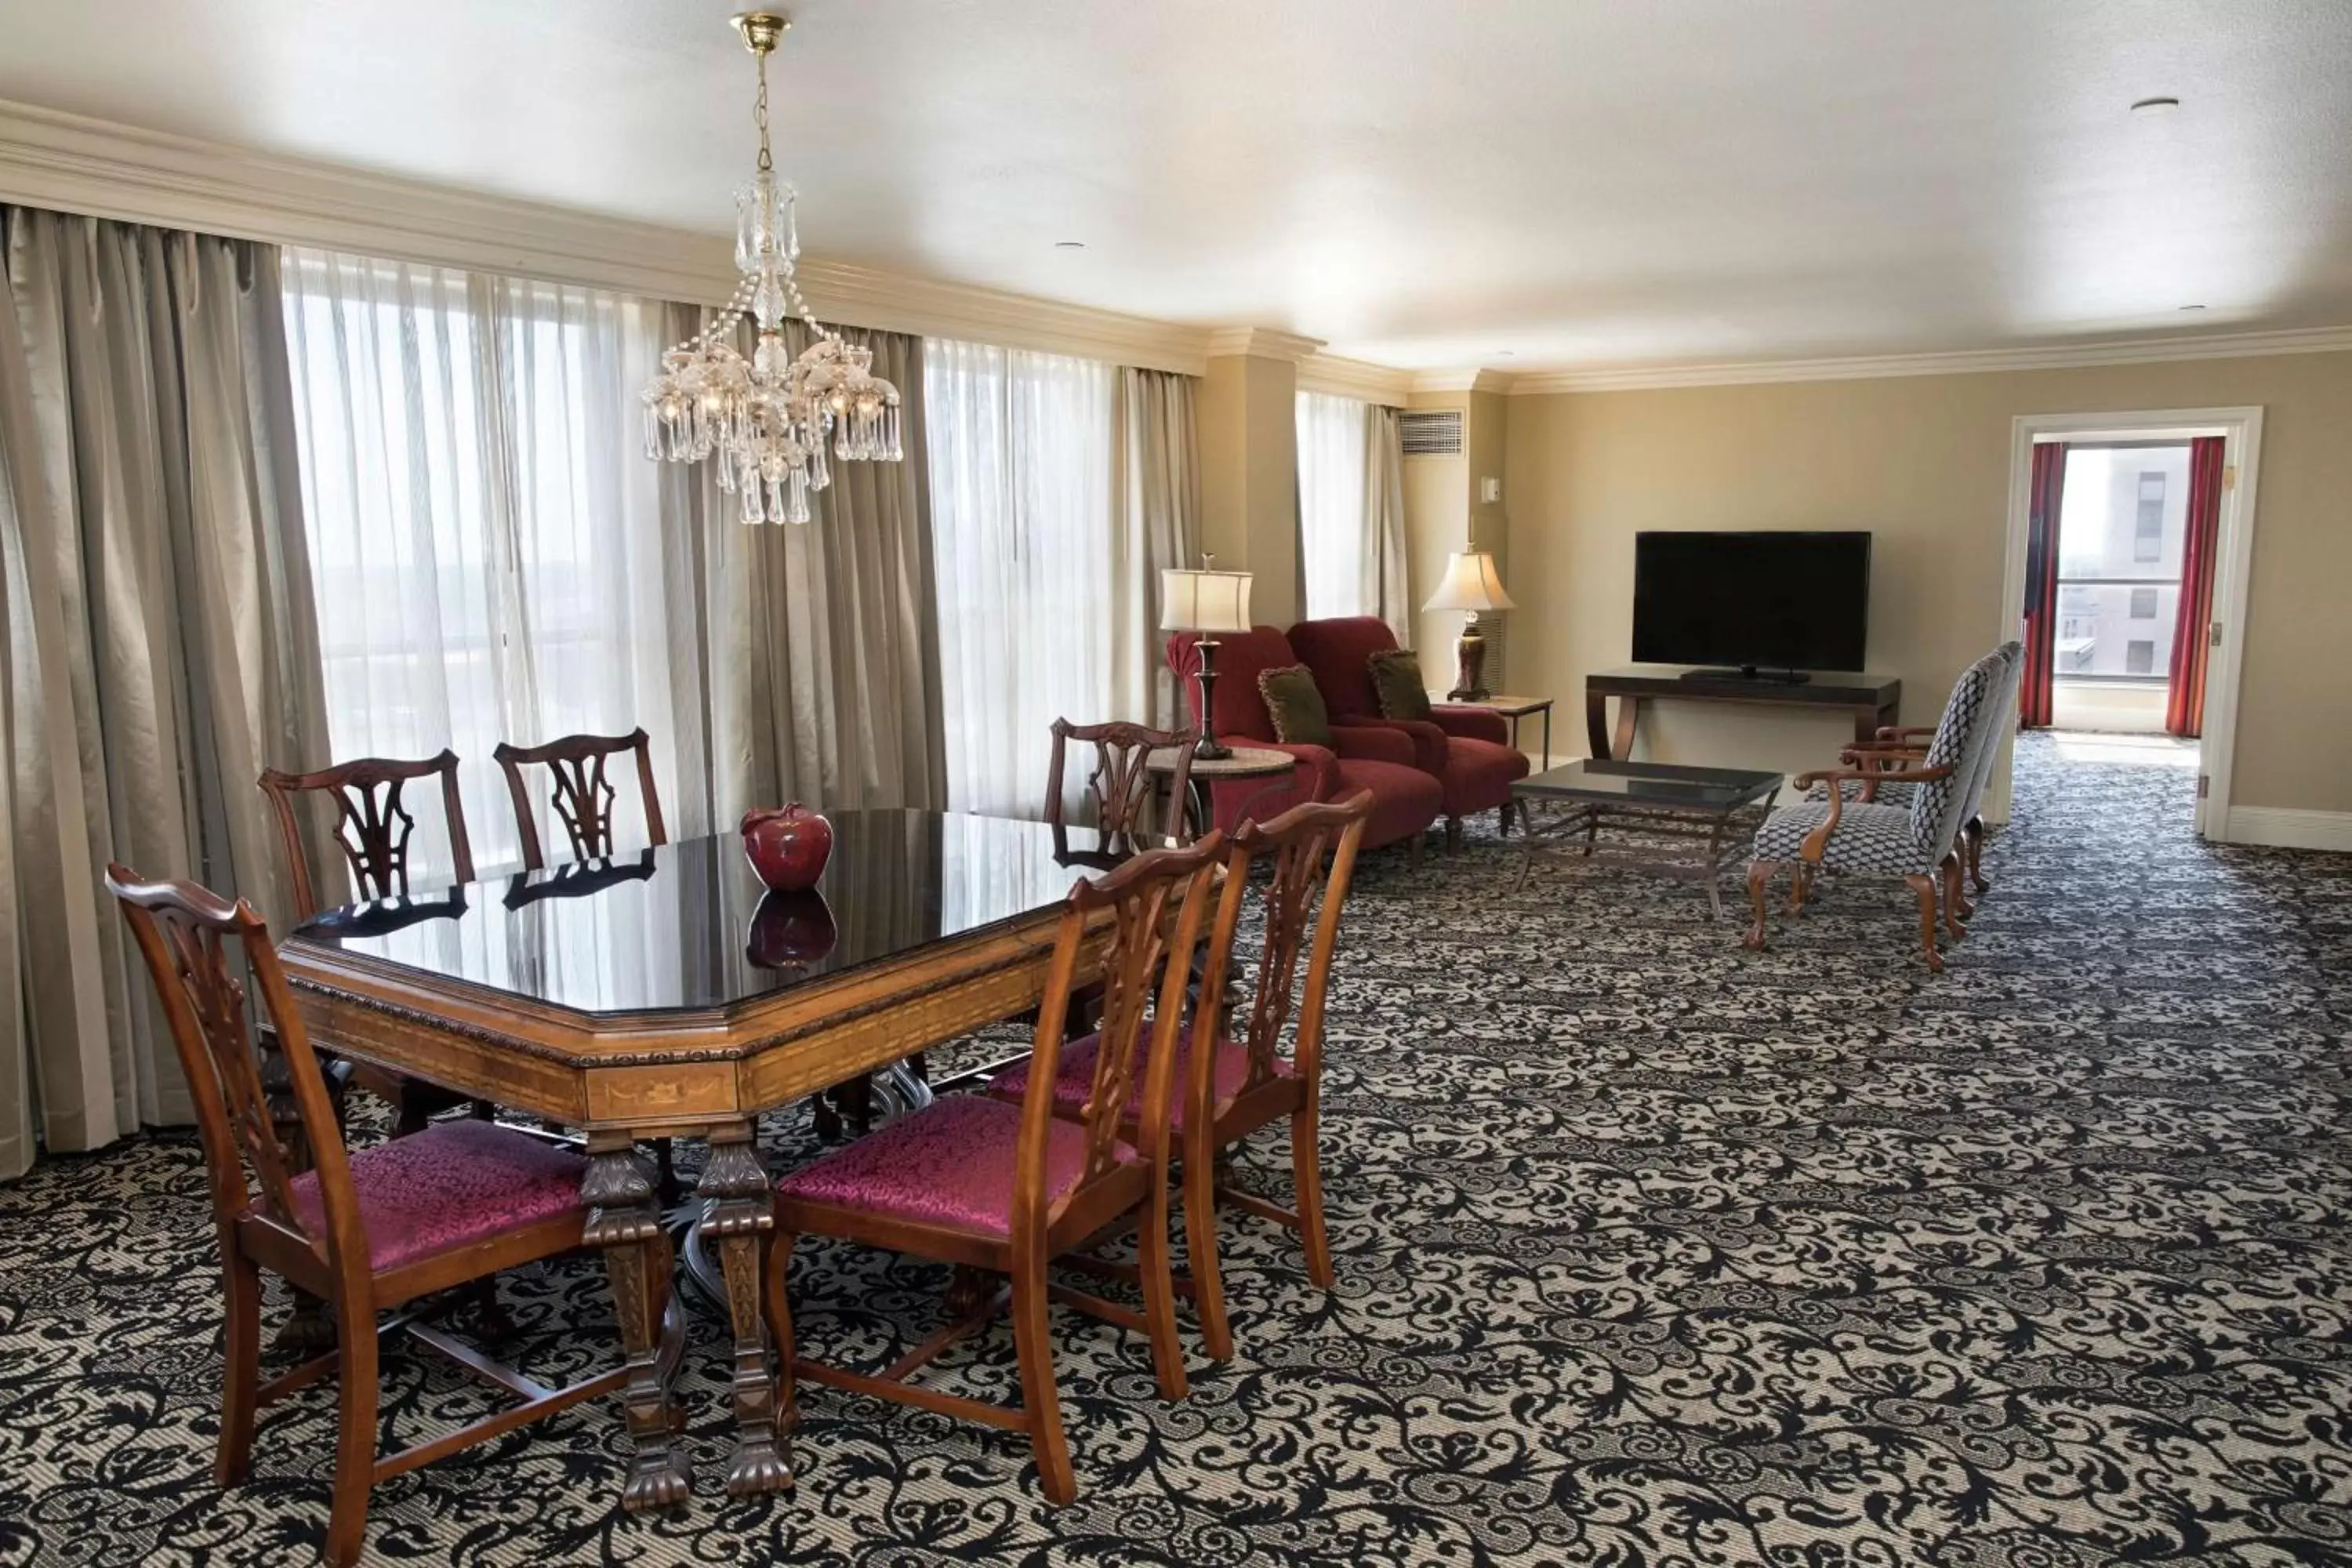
x=1005 y=1189
x=1468 y=748
x=1373 y=757
x=1228 y=1088
x=364 y=1231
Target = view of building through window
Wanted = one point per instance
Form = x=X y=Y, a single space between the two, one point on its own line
x=2120 y=535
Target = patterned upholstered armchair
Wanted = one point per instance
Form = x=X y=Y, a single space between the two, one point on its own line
x=1897 y=747
x=1914 y=841
x=1466 y=749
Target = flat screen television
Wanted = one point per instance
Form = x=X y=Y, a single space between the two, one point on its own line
x=1754 y=602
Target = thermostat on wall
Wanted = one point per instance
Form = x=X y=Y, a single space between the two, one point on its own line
x=1490 y=490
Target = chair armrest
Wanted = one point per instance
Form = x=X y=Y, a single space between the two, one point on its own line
x=1898 y=731
x=1383 y=741
x=1817 y=839
x=1471 y=723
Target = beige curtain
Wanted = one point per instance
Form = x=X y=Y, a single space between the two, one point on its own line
x=161 y=645
x=820 y=670
x=1384 y=566
x=1156 y=524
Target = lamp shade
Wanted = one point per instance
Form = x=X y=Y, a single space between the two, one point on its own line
x=1471 y=583
x=1192 y=601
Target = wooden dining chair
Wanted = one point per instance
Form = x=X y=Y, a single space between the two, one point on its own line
x=1006 y=1189
x=374 y=828
x=582 y=794
x=1120 y=783
x=1227 y=1088
x=366 y=1231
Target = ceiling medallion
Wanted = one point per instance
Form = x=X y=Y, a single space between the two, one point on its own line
x=768 y=418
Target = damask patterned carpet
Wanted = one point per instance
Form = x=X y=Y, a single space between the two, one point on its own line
x=1651 y=1252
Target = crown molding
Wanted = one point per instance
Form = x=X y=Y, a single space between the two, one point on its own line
x=72 y=163
x=1463 y=381
x=1260 y=342
x=2065 y=356
x=1344 y=377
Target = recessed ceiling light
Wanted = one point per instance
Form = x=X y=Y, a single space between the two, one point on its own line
x=1070 y=245
x=2155 y=106
x=2192 y=307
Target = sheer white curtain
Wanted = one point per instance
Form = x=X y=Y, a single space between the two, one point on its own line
x=1020 y=446
x=486 y=536
x=1332 y=463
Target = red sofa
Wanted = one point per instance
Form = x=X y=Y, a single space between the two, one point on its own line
x=1467 y=750
x=1405 y=799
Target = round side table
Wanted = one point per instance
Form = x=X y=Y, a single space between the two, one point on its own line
x=1242 y=762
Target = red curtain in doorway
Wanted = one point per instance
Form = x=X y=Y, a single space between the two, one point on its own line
x=2184 y=701
x=2048 y=485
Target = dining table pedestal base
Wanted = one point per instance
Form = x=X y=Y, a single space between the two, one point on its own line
x=624 y=1224
x=740 y=1223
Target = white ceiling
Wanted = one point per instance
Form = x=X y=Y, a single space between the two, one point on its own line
x=1518 y=184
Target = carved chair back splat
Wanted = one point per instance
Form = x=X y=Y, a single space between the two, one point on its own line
x=582 y=793
x=371 y=826
x=1120 y=783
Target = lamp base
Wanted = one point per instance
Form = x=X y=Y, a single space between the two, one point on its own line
x=1207 y=749
x=1470 y=665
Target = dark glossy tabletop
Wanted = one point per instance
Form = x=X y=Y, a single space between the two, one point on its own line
x=688 y=926
x=1652 y=783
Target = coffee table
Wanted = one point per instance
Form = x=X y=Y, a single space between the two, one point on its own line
x=1715 y=809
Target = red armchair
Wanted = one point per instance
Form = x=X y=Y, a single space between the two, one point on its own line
x=1467 y=750
x=1405 y=798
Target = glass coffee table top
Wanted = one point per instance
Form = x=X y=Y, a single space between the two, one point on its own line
x=1668 y=785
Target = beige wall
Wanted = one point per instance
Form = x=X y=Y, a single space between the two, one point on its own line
x=1923 y=463
x=1248 y=418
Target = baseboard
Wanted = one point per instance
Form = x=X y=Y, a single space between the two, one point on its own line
x=2286 y=829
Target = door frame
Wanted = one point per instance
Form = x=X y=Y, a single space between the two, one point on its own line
x=2240 y=430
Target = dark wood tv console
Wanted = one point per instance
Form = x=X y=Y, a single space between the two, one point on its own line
x=1873 y=699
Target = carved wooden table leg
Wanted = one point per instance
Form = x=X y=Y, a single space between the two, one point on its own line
x=742 y=1218
x=624 y=1222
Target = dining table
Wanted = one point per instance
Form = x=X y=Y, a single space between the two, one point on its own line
x=668 y=993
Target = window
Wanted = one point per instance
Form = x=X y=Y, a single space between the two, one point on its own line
x=482 y=537
x=2139 y=657
x=2143 y=604
x=2147 y=530
x=1019 y=454
x=1334 y=452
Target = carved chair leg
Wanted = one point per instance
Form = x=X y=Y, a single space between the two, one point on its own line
x=1976 y=831
x=823 y=1117
x=1201 y=1249
x=1955 y=908
x=1503 y=823
x=1760 y=879
x=1924 y=886
x=1156 y=1275
x=241 y=1368
x=1800 y=886
x=490 y=1314
x=1453 y=833
x=1306 y=1175
x=779 y=1313
x=354 y=1431
x=1032 y=1343
x=1412 y=853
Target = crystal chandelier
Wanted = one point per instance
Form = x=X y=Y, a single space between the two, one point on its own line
x=768 y=418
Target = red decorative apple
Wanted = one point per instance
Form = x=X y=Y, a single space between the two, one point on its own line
x=791 y=930
x=787 y=848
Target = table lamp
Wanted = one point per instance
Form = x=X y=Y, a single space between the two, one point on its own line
x=1206 y=601
x=1471 y=585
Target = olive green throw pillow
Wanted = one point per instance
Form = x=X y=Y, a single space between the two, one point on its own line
x=1294 y=706
x=1397 y=683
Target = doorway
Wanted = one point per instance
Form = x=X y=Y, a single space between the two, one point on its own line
x=2114 y=520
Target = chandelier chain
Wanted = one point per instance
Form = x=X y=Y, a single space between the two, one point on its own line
x=759 y=114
